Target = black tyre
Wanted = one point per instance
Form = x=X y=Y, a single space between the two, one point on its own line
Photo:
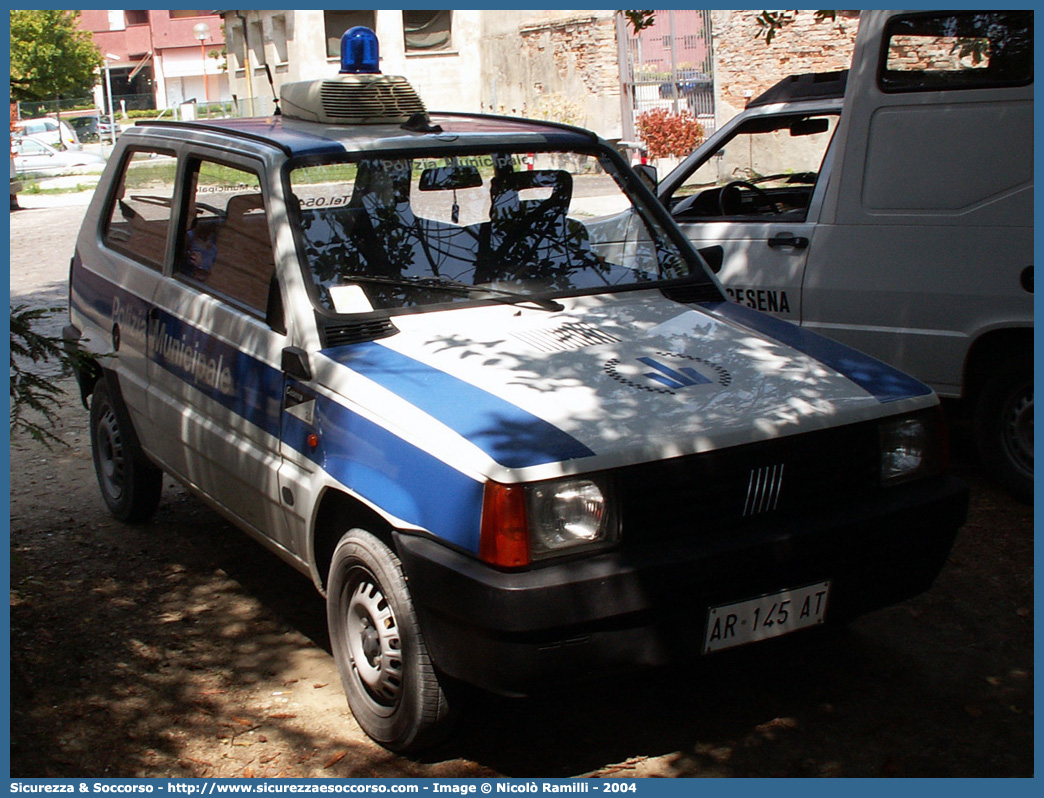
x=1004 y=427
x=130 y=484
x=392 y=687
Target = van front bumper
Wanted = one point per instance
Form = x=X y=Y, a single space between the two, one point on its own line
x=642 y=606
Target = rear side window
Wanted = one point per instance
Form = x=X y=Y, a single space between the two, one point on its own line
x=138 y=222
x=957 y=50
x=226 y=246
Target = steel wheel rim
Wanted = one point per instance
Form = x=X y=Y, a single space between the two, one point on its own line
x=374 y=645
x=111 y=455
x=1017 y=430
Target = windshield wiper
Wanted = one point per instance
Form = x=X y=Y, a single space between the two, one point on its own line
x=456 y=287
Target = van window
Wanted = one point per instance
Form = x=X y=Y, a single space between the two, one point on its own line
x=769 y=167
x=225 y=247
x=968 y=50
x=140 y=206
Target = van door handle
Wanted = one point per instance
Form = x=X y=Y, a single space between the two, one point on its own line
x=788 y=241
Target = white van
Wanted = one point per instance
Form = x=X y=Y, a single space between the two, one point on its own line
x=894 y=213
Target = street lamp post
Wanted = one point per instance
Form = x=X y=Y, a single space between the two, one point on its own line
x=201 y=30
x=108 y=85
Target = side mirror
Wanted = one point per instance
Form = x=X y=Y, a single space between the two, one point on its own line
x=647 y=174
x=295 y=363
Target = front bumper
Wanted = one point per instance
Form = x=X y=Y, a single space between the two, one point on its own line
x=646 y=606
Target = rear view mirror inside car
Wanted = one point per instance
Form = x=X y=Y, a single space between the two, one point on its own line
x=810 y=127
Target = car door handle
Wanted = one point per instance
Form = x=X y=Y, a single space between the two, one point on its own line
x=788 y=241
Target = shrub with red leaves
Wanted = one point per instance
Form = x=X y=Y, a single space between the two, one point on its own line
x=669 y=135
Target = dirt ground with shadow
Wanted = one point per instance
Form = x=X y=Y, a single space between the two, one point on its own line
x=181 y=648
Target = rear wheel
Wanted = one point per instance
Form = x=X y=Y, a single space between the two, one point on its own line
x=392 y=687
x=1004 y=426
x=130 y=484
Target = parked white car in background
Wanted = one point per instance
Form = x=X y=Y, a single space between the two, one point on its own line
x=33 y=156
x=50 y=131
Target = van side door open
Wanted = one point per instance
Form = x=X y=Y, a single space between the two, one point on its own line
x=752 y=199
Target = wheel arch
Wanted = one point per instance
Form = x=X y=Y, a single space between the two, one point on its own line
x=990 y=351
x=85 y=365
x=337 y=513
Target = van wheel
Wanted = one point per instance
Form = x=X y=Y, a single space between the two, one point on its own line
x=388 y=677
x=1004 y=427
x=130 y=484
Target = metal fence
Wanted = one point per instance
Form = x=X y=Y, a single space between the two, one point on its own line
x=31 y=109
x=671 y=65
x=34 y=109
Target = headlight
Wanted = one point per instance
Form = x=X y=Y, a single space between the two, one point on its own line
x=522 y=523
x=566 y=514
x=911 y=447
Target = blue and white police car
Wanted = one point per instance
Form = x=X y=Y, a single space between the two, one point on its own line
x=467 y=374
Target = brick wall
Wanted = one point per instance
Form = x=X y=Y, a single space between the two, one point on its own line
x=557 y=65
x=745 y=66
x=584 y=45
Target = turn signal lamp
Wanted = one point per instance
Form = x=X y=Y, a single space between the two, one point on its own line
x=504 y=540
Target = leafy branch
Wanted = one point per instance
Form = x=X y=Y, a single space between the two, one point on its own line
x=32 y=393
x=772 y=22
x=640 y=20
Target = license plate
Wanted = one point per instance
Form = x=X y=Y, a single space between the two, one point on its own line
x=765 y=617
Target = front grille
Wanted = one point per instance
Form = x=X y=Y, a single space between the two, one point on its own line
x=758 y=484
x=358 y=331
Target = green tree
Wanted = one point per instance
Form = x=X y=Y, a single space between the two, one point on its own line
x=50 y=56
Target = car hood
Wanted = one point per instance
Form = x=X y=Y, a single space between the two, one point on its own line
x=608 y=381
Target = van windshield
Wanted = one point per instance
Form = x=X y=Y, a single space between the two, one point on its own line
x=769 y=167
x=380 y=233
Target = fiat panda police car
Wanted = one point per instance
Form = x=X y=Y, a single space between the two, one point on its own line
x=467 y=374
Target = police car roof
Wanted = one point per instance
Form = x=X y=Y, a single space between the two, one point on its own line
x=298 y=138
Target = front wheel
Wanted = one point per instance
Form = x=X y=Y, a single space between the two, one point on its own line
x=130 y=484
x=392 y=687
x=1004 y=427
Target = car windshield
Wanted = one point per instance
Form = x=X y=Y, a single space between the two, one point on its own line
x=380 y=233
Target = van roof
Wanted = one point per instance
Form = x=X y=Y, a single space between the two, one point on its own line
x=810 y=86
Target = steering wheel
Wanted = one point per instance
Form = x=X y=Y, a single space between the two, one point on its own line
x=732 y=190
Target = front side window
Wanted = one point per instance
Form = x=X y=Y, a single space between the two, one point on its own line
x=767 y=169
x=391 y=233
x=977 y=49
x=225 y=247
x=139 y=216
x=31 y=147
